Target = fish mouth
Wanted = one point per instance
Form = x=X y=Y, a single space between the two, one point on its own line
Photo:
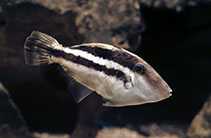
x=163 y=95
x=169 y=94
x=170 y=90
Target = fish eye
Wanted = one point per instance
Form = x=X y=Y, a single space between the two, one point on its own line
x=139 y=68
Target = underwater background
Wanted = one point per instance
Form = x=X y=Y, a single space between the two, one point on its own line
x=173 y=36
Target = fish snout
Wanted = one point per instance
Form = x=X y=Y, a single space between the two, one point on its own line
x=162 y=89
x=159 y=88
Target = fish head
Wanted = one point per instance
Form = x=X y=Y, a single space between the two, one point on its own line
x=147 y=86
x=150 y=86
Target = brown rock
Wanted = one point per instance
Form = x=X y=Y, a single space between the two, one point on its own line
x=201 y=124
x=118 y=133
x=51 y=135
x=163 y=130
x=121 y=18
x=128 y=133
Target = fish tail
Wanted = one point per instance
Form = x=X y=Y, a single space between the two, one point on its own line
x=38 y=48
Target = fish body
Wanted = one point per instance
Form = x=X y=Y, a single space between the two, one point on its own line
x=119 y=76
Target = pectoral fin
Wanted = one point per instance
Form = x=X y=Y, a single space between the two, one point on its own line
x=78 y=91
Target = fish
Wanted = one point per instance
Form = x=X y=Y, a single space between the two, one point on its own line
x=120 y=77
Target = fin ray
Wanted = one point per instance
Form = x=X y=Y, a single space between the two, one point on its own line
x=78 y=91
x=38 y=48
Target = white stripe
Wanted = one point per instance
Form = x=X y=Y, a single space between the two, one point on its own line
x=95 y=59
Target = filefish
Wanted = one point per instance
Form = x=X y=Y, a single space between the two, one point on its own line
x=119 y=76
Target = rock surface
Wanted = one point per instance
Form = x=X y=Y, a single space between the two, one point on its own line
x=155 y=131
x=201 y=124
x=50 y=135
x=122 y=19
x=118 y=133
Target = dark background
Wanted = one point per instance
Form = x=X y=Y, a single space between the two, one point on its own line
x=176 y=44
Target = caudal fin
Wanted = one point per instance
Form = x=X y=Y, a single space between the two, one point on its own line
x=38 y=48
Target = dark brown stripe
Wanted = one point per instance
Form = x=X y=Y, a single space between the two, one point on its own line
x=121 y=57
x=85 y=62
